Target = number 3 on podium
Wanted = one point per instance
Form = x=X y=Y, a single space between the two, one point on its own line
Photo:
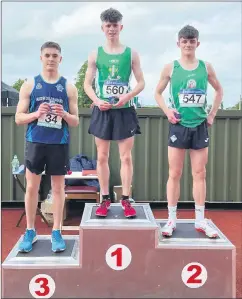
x=42 y=286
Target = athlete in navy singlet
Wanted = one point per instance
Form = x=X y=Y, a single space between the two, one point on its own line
x=49 y=129
x=48 y=105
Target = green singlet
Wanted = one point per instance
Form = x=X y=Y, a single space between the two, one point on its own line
x=113 y=75
x=188 y=93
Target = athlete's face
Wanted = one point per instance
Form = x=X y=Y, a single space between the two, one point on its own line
x=112 y=30
x=188 y=46
x=51 y=59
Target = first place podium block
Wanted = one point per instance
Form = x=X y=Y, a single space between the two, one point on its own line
x=116 y=257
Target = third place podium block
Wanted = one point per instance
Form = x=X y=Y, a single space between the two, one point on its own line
x=116 y=257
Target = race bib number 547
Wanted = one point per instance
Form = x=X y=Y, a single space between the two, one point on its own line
x=50 y=121
x=192 y=98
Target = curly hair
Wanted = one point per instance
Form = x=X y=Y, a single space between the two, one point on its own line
x=111 y=15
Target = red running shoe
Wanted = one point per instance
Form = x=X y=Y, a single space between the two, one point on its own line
x=102 y=210
x=129 y=211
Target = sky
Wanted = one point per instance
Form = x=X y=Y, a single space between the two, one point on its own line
x=149 y=28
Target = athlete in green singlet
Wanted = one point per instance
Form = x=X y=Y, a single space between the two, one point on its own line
x=189 y=123
x=114 y=116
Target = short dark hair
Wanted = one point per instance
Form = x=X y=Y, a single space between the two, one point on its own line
x=111 y=15
x=51 y=45
x=188 y=32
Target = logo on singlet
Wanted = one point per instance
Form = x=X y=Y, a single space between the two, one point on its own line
x=38 y=86
x=113 y=73
x=191 y=83
x=59 y=87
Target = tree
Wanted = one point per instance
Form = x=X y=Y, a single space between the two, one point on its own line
x=83 y=99
x=17 y=85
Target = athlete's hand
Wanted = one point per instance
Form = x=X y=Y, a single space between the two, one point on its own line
x=123 y=99
x=103 y=105
x=57 y=109
x=44 y=108
x=210 y=120
x=171 y=116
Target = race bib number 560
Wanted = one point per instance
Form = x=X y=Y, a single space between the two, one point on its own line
x=114 y=89
x=50 y=121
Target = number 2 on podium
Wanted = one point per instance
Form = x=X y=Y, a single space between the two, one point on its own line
x=194 y=275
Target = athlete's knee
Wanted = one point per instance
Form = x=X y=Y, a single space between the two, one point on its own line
x=102 y=158
x=57 y=190
x=31 y=188
x=175 y=173
x=199 y=173
x=126 y=159
x=57 y=185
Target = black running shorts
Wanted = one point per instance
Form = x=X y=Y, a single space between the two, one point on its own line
x=114 y=124
x=53 y=158
x=188 y=138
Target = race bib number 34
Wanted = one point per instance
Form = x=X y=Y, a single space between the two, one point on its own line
x=112 y=89
x=50 y=121
x=192 y=98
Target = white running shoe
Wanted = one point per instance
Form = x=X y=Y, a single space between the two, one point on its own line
x=168 y=228
x=205 y=227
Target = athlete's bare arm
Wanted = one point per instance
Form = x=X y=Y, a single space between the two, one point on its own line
x=90 y=75
x=164 y=80
x=22 y=116
x=162 y=84
x=138 y=74
x=213 y=80
x=72 y=117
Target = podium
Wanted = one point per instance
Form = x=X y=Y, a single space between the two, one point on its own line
x=118 y=257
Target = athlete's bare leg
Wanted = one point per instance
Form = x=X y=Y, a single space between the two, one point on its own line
x=126 y=171
x=102 y=164
x=31 y=197
x=176 y=160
